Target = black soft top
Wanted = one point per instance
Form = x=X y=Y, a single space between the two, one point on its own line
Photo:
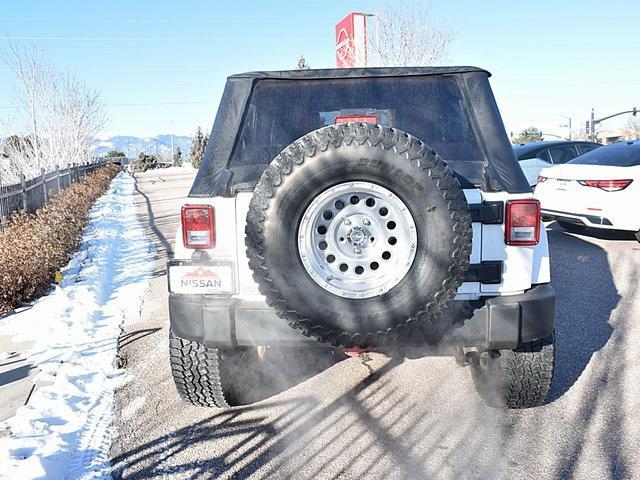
x=452 y=109
x=320 y=73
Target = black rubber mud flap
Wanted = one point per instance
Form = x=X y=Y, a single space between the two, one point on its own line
x=369 y=153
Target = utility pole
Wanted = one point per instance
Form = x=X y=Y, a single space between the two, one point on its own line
x=171 y=123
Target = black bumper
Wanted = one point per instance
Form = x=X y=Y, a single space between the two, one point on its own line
x=500 y=322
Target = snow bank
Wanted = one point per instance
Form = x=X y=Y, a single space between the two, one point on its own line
x=65 y=430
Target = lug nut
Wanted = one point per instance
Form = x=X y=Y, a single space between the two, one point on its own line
x=357 y=251
x=366 y=221
x=347 y=221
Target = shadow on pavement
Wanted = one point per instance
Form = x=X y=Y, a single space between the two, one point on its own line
x=605 y=234
x=585 y=297
x=384 y=426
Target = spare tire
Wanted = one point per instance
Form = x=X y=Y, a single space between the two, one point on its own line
x=355 y=232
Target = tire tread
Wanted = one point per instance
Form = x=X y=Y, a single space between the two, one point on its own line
x=376 y=136
x=196 y=371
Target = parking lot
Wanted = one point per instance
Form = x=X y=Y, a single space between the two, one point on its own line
x=376 y=416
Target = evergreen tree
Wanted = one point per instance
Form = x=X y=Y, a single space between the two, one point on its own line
x=530 y=134
x=115 y=154
x=144 y=162
x=198 y=146
x=177 y=157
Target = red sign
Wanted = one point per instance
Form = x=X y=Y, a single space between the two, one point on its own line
x=351 y=41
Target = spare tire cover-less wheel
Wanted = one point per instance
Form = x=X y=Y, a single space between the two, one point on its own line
x=356 y=232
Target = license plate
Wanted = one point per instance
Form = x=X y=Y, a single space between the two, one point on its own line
x=563 y=183
x=201 y=279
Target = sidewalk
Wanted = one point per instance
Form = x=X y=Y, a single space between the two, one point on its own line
x=72 y=335
x=16 y=376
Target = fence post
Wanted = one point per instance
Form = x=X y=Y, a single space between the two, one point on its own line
x=69 y=173
x=58 y=176
x=24 y=192
x=44 y=185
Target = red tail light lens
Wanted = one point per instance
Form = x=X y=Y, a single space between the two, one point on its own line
x=523 y=222
x=198 y=228
x=606 y=185
x=541 y=179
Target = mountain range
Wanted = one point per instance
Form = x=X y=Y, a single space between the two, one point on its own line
x=159 y=145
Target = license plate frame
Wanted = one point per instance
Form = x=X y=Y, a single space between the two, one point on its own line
x=213 y=277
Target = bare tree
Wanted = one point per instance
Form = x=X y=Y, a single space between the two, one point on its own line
x=56 y=116
x=301 y=63
x=406 y=34
x=632 y=130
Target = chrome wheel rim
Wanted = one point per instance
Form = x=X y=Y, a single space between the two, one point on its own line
x=357 y=240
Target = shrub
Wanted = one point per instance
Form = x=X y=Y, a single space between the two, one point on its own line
x=35 y=246
x=144 y=162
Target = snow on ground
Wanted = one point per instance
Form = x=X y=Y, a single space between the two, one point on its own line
x=65 y=429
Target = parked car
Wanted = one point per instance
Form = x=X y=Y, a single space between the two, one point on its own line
x=535 y=156
x=598 y=190
x=359 y=234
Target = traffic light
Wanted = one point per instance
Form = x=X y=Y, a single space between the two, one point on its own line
x=586 y=127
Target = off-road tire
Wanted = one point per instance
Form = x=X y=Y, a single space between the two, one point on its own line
x=370 y=153
x=517 y=378
x=196 y=371
x=571 y=227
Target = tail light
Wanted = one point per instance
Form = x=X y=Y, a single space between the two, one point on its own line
x=541 y=179
x=198 y=228
x=355 y=119
x=522 y=222
x=606 y=185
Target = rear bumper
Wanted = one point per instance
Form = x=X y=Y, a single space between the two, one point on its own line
x=583 y=220
x=500 y=322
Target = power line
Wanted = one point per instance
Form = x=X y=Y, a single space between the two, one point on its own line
x=112 y=39
x=140 y=104
x=100 y=20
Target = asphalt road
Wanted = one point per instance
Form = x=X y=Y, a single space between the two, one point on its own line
x=378 y=417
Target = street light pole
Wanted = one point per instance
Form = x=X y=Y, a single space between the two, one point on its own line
x=633 y=111
x=377 y=17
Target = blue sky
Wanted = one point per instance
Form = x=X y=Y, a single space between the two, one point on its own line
x=161 y=65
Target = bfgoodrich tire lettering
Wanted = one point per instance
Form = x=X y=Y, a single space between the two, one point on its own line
x=367 y=153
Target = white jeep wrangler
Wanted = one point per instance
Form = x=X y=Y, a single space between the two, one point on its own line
x=363 y=208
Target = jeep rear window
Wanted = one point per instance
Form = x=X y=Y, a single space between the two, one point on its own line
x=428 y=107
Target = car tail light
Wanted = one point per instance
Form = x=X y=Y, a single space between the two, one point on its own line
x=606 y=185
x=198 y=228
x=541 y=179
x=523 y=222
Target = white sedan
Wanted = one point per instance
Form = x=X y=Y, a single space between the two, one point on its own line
x=600 y=189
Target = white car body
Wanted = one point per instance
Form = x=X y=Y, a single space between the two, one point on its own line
x=525 y=266
x=562 y=196
x=532 y=167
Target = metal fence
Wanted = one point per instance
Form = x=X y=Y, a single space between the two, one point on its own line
x=29 y=195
